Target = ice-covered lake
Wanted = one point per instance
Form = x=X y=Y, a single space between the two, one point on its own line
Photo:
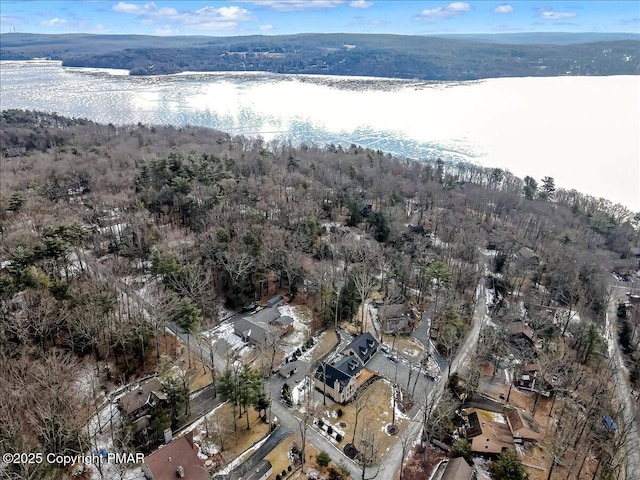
x=583 y=131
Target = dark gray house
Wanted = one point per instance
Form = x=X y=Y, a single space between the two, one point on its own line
x=339 y=381
x=364 y=346
x=255 y=332
x=396 y=318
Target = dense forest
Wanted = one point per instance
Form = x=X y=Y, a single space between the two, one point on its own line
x=210 y=219
x=396 y=56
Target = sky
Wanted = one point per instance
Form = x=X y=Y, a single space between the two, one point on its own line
x=271 y=17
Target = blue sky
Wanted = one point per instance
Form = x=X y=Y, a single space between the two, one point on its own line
x=244 y=17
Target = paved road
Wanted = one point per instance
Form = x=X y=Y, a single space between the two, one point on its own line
x=422 y=333
x=277 y=436
x=214 y=355
x=385 y=367
x=201 y=403
x=394 y=458
x=632 y=457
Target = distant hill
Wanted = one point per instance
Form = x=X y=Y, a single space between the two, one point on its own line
x=543 y=38
x=398 y=56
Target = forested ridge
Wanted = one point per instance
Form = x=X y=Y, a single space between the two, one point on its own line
x=395 y=56
x=209 y=219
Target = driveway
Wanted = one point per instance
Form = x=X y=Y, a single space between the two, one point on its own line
x=387 y=368
x=277 y=436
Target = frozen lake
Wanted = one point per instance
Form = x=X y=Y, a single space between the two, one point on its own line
x=583 y=131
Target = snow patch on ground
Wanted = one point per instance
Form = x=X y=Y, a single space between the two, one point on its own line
x=482 y=468
x=488 y=321
x=85 y=380
x=295 y=340
x=224 y=331
x=490 y=296
x=399 y=414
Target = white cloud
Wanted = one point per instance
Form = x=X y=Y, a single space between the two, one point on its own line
x=53 y=22
x=266 y=28
x=99 y=28
x=165 y=30
x=360 y=4
x=548 y=14
x=206 y=18
x=295 y=5
x=503 y=9
x=123 y=7
x=452 y=10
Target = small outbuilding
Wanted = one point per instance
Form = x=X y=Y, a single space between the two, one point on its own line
x=275 y=302
x=458 y=469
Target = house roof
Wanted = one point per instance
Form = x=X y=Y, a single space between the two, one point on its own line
x=257 y=332
x=273 y=300
x=266 y=315
x=137 y=398
x=163 y=463
x=522 y=425
x=531 y=367
x=493 y=436
x=263 y=467
x=362 y=346
x=341 y=372
x=527 y=253
x=388 y=312
x=285 y=321
x=519 y=327
x=457 y=469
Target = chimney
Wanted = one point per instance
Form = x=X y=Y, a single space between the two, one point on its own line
x=180 y=471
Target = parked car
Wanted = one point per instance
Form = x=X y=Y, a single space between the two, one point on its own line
x=249 y=307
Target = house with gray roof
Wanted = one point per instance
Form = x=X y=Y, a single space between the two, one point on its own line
x=255 y=332
x=364 y=346
x=139 y=401
x=339 y=381
x=263 y=326
x=396 y=318
x=266 y=315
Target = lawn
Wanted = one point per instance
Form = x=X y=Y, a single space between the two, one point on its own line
x=279 y=456
x=376 y=415
x=238 y=441
x=327 y=344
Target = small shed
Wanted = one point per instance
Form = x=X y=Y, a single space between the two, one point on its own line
x=275 y=302
x=458 y=469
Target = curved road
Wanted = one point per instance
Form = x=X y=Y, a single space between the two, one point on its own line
x=632 y=445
